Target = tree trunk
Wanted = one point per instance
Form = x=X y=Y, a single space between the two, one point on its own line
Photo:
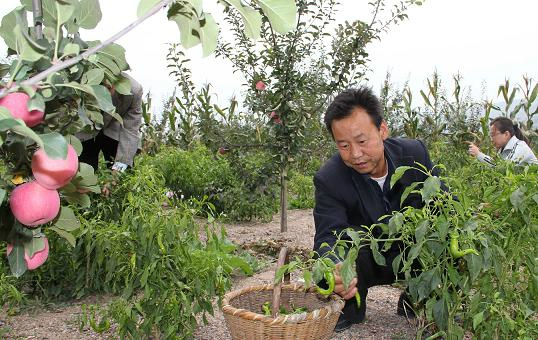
x=284 y=199
x=37 y=10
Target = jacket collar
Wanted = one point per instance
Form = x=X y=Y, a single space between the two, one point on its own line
x=395 y=158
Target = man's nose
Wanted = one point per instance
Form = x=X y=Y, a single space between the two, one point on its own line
x=356 y=151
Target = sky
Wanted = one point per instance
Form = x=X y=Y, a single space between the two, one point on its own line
x=485 y=41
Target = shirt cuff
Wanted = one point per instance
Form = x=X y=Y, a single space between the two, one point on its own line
x=119 y=166
x=484 y=158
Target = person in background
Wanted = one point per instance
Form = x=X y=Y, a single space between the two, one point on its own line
x=352 y=189
x=118 y=142
x=509 y=141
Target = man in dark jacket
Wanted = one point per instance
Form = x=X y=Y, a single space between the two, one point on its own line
x=353 y=189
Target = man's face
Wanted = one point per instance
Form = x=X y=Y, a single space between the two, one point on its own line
x=499 y=139
x=360 y=143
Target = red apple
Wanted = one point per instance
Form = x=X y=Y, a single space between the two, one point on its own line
x=223 y=150
x=54 y=173
x=33 y=204
x=17 y=104
x=260 y=85
x=37 y=259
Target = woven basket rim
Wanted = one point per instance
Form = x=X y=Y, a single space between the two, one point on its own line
x=335 y=305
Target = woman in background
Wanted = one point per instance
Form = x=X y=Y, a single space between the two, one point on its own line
x=509 y=141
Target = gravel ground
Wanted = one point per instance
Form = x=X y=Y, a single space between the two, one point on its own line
x=61 y=321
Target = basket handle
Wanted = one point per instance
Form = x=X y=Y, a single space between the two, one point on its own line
x=283 y=259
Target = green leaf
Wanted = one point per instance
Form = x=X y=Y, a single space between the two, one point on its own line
x=16 y=260
x=55 y=145
x=440 y=313
x=25 y=50
x=123 y=85
x=83 y=200
x=88 y=14
x=144 y=6
x=432 y=185
x=317 y=270
x=25 y=131
x=398 y=173
x=6 y=28
x=251 y=18
x=282 y=14
x=517 y=197
x=379 y=259
x=114 y=53
x=71 y=49
x=75 y=143
x=396 y=223
x=64 y=11
x=94 y=76
x=5 y=114
x=34 y=245
x=421 y=230
x=2 y=195
x=8 y=123
x=208 y=35
x=104 y=99
x=307 y=275
x=347 y=270
x=67 y=220
x=407 y=191
x=189 y=28
x=237 y=262
x=477 y=319
x=66 y=235
x=36 y=103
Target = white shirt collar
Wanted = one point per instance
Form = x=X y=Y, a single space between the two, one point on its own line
x=511 y=143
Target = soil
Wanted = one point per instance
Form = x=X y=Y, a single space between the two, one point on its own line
x=262 y=238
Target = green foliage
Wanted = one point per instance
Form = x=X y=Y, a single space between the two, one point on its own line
x=195 y=173
x=301 y=188
x=153 y=258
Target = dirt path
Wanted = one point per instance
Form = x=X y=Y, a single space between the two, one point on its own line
x=381 y=321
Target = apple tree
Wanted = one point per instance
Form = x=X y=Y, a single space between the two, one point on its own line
x=53 y=86
x=291 y=77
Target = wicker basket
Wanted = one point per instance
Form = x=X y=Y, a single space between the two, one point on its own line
x=242 y=308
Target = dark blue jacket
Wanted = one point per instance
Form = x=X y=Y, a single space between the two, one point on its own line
x=345 y=198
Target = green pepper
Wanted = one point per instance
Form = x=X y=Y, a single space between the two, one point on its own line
x=358 y=299
x=266 y=308
x=329 y=277
x=454 y=248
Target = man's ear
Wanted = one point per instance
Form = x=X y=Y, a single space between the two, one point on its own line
x=384 y=130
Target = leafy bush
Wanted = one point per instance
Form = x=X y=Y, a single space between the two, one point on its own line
x=301 y=191
x=255 y=190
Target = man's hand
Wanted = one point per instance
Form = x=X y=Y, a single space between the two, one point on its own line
x=339 y=285
x=473 y=149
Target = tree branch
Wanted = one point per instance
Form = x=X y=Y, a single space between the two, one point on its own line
x=67 y=63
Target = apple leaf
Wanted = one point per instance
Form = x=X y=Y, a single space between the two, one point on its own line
x=145 y=6
x=36 y=103
x=93 y=77
x=25 y=131
x=75 y=143
x=282 y=14
x=16 y=260
x=66 y=235
x=88 y=14
x=67 y=220
x=34 y=245
x=55 y=145
x=251 y=18
x=123 y=85
x=187 y=25
x=2 y=195
x=208 y=35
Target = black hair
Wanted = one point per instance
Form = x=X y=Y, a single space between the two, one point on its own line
x=344 y=103
x=503 y=124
